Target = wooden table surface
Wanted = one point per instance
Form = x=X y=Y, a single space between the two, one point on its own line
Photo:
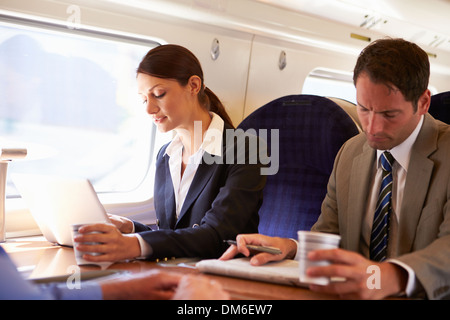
x=36 y=258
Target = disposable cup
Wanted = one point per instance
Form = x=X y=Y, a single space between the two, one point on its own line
x=310 y=241
x=79 y=254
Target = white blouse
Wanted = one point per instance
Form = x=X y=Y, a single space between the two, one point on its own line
x=211 y=143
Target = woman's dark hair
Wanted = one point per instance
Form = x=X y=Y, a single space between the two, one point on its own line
x=178 y=63
x=396 y=62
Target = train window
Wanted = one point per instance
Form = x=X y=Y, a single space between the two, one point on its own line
x=337 y=84
x=330 y=83
x=69 y=96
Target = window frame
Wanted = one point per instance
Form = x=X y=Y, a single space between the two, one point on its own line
x=334 y=76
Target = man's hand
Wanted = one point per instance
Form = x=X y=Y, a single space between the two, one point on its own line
x=288 y=248
x=195 y=287
x=354 y=269
x=151 y=285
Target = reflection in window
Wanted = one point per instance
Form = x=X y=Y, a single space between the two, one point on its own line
x=72 y=101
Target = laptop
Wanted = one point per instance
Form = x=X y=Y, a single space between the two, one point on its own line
x=56 y=203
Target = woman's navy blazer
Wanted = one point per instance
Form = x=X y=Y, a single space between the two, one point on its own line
x=222 y=202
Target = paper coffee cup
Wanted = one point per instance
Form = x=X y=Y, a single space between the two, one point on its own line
x=79 y=254
x=310 y=241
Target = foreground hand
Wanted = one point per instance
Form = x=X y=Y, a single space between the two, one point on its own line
x=355 y=270
x=152 y=285
x=287 y=246
x=114 y=246
x=194 y=287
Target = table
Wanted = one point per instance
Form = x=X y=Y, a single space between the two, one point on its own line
x=37 y=258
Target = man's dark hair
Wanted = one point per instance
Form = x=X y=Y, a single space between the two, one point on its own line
x=396 y=63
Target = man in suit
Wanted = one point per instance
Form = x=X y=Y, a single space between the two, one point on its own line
x=391 y=79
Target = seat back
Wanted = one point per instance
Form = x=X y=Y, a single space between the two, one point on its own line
x=440 y=106
x=311 y=131
x=350 y=108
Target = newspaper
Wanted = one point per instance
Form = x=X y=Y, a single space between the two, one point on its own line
x=281 y=272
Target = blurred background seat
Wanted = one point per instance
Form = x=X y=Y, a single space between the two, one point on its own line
x=440 y=106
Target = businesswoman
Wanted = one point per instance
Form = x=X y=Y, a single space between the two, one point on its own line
x=203 y=193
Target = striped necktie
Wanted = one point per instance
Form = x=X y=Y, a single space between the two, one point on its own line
x=380 y=228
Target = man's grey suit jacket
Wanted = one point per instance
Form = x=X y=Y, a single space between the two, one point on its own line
x=424 y=226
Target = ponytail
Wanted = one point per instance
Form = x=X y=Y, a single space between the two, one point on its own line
x=214 y=104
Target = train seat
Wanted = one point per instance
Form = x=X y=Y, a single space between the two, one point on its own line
x=350 y=108
x=311 y=131
x=440 y=106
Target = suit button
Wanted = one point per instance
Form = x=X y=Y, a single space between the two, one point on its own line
x=195 y=226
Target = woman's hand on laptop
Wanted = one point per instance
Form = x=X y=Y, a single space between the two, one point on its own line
x=124 y=225
x=109 y=241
